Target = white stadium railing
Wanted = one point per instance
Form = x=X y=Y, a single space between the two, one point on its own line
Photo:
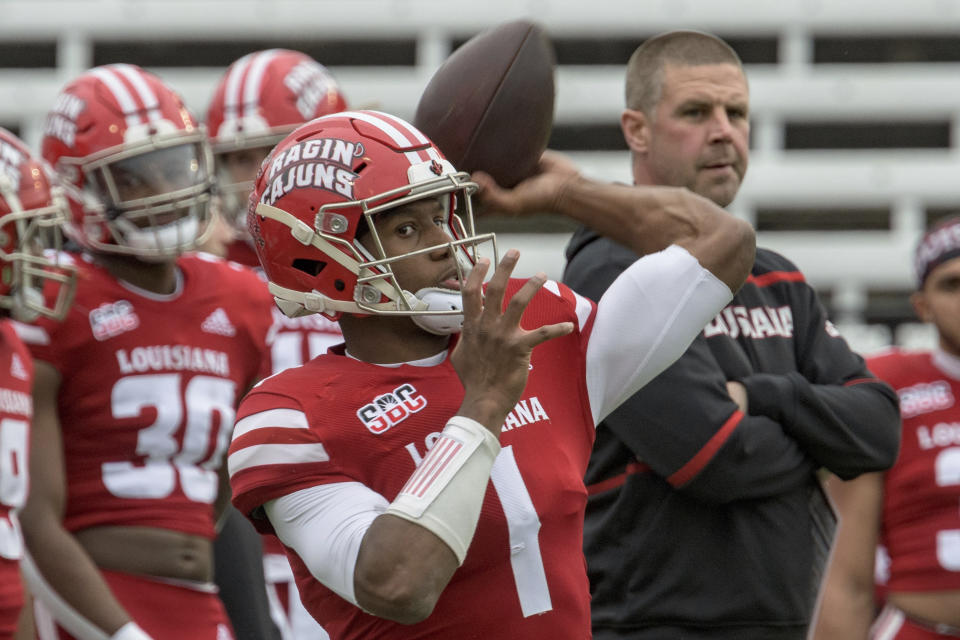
x=847 y=264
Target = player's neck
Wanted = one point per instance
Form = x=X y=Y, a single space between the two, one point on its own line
x=159 y=277
x=389 y=340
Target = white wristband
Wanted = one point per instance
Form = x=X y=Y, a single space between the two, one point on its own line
x=446 y=491
x=130 y=631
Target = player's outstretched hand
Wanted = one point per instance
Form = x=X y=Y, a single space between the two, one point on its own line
x=492 y=356
x=539 y=193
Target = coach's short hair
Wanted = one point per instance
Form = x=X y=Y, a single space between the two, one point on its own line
x=644 y=86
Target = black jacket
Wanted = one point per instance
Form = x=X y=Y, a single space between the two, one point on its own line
x=702 y=519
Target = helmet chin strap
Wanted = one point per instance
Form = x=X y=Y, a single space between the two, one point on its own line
x=437 y=299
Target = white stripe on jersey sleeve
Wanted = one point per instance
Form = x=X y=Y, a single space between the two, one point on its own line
x=583 y=305
x=583 y=311
x=552 y=287
x=273 y=418
x=257 y=455
x=31 y=334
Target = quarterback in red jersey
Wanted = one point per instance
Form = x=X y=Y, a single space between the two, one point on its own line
x=136 y=388
x=261 y=98
x=912 y=510
x=31 y=210
x=426 y=478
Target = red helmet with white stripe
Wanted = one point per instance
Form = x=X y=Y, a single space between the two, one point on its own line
x=320 y=189
x=139 y=163
x=262 y=97
x=32 y=208
x=265 y=95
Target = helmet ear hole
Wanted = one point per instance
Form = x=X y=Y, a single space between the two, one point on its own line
x=311 y=267
x=339 y=285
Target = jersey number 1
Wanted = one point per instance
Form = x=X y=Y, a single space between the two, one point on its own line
x=523 y=524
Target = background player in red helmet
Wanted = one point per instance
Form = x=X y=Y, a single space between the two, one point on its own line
x=375 y=462
x=31 y=210
x=261 y=98
x=912 y=509
x=137 y=386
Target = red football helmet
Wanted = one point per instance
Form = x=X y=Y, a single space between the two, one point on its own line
x=323 y=185
x=32 y=208
x=262 y=97
x=139 y=164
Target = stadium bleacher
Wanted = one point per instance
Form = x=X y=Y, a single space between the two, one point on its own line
x=855 y=104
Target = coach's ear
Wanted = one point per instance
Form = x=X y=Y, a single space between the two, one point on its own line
x=636 y=133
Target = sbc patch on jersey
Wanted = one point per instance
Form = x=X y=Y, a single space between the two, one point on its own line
x=390 y=409
x=111 y=319
x=925 y=397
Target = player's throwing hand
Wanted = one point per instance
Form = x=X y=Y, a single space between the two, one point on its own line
x=492 y=356
x=540 y=193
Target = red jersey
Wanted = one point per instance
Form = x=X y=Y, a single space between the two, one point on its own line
x=293 y=340
x=524 y=574
x=921 y=504
x=148 y=391
x=16 y=410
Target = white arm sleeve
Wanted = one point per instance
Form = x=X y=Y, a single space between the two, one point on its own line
x=325 y=525
x=645 y=320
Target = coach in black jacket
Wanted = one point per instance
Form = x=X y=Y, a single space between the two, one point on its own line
x=705 y=517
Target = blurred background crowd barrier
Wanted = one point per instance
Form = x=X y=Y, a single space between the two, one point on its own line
x=855 y=104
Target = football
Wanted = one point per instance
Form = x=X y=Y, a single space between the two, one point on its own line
x=489 y=106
